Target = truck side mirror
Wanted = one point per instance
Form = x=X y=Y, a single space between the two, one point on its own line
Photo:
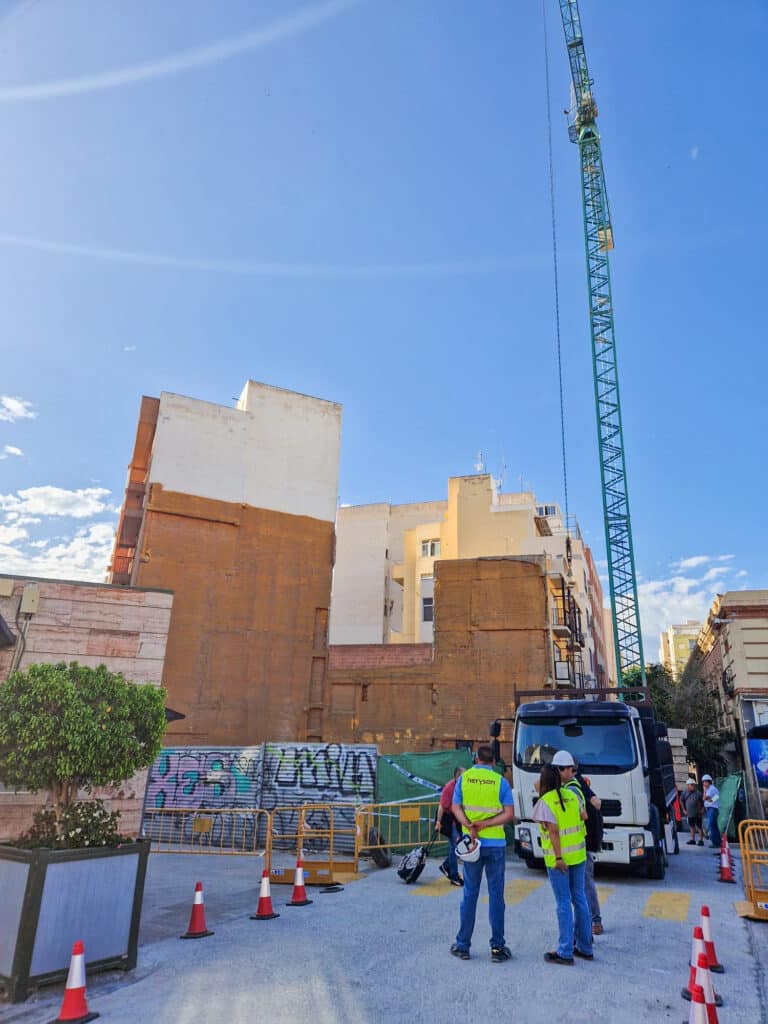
x=494 y=729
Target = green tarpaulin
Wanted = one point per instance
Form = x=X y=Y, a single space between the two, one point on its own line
x=727 y=819
x=412 y=779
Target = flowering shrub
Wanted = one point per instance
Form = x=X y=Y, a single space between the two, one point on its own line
x=74 y=827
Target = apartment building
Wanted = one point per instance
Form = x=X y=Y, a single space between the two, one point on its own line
x=676 y=644
x=731 y=657
x=384 y=580
x=232 y=509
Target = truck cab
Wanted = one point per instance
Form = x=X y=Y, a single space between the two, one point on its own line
x=620 y=747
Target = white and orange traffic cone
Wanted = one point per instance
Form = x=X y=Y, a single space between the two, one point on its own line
x=726 y=868
x=711 y=998
x=74 y=1006
x=299 y=896
x=697 y=949
x=698 y=1014
x=706 y=926
x=264 y=911
x=197 y=928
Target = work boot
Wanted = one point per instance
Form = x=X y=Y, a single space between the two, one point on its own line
x=498 y=956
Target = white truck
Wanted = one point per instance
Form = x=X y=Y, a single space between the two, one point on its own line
x=622 y=749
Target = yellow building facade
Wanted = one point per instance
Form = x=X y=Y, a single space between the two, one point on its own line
x=676 y=646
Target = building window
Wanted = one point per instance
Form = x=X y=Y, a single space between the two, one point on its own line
x=691 y=645
x=427 y=609
x=430 y=548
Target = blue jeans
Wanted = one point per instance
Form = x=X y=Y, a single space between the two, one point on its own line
x=493 y=859
x=568 y=888
x=451 y=862
x=714 y=829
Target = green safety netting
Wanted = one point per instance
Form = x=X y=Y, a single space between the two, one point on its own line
x=729 y=787
x=412 y=779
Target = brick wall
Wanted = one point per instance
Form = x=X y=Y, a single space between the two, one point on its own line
x=357 y=656
x=491 y=636
x=93 y=624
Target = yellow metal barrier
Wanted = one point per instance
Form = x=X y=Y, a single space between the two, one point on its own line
x=224 y=830
x=323 y=835
x=383 y=829
x=753 y=840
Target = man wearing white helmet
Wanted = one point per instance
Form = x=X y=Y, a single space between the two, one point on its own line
x=712 y=809
x=571 y=779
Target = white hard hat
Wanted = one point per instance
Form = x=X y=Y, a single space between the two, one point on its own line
x=563 y=759
x=706 y=778
x=468 y=849
x=691 y=782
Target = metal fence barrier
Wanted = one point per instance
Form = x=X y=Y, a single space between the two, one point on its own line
x=395 y=827
x=323 y=835
x=222 y=830
x=753 y=840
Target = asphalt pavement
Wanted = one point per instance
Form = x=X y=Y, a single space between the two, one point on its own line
x=379 y=952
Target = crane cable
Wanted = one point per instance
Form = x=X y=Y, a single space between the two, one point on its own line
x=555 y=267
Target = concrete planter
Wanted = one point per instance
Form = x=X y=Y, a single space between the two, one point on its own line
x=51 y=898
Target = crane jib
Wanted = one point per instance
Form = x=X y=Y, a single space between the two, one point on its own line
x=598 y=237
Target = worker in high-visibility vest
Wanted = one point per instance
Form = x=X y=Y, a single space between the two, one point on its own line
x=482 y=804
x=560 y=814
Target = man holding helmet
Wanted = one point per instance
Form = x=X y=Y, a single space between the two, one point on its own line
x=482 y=804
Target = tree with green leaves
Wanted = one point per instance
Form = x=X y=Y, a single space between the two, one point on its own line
x=67 y=727
x=689 y=704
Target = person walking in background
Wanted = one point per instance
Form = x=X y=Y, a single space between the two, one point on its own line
x=560 y=814
x=712 y=809
x=482 y=805
x=693 y=806
x=572 y=779
x=446 y=825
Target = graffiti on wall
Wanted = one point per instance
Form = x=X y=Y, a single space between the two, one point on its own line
x=278 y=777
x=199 y=777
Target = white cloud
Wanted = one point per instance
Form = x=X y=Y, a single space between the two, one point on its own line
x=10 y=534
x=129 y=348
x=692 y=562
x=694 y=152
x=715 y=571
x=10 y=449
x=84 y=556
x=742 y=573
x=56 y=501
x=12 y=409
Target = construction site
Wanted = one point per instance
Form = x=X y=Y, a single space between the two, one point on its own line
x=330 y=670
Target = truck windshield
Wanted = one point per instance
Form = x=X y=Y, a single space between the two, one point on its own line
x=604 y=746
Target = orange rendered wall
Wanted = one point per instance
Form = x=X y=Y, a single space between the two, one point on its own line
x=491 y=635
x=247 y=648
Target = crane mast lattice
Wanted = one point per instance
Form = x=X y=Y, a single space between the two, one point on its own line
x=598 y=234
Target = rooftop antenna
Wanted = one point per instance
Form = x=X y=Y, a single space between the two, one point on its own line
x=479 y=463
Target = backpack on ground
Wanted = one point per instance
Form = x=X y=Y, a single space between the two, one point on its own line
x=412 y=864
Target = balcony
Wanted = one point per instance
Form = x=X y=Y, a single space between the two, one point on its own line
x=560 y=623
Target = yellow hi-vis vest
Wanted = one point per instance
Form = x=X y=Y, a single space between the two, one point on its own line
x=481 y=798
x=573 y=849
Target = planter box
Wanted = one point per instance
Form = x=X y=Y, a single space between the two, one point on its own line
x=52 y=898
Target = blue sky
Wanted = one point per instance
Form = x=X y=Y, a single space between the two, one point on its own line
x=351 y=200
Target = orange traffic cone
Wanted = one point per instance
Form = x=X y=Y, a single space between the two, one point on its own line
x=698 y=1014
x=264 y=911
x=197 y=928
x=711 y=998
x=74 y=1006
x=726 y=869
x=299 y=896
x=706 y=926
x=697 y=949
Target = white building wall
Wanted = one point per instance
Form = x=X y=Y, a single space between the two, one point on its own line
x=359 y=575
x=276 y=450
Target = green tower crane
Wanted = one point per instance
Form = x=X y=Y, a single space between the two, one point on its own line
x=598 y=235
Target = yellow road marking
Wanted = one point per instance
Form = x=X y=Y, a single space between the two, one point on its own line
x=604 y=891
x=437 y=887
x=668 y=906
x=347 y=876
x=517 y=890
